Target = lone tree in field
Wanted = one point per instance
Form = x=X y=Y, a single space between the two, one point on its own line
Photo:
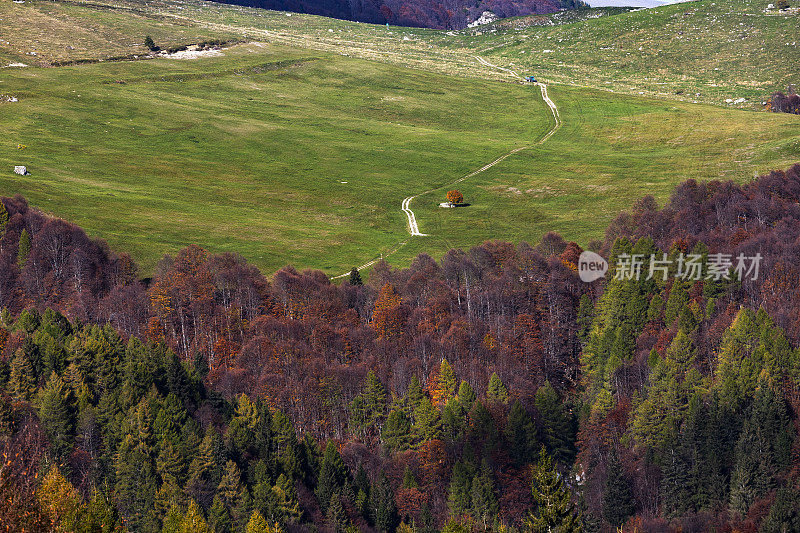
x=455 y=197
x=150 y=44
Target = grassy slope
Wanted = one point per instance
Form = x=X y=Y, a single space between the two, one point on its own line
x=709 y=50
x=238 y=154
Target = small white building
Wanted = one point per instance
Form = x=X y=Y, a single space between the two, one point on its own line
x=22 y=171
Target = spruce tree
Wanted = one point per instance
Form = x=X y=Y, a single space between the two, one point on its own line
x=618 y=502
x=557 y=428
x=55 y=405
x=229 y=489
x=466 y=396
x=24 y=248
x=414 y=395
x=497 y=391
x=520 y=433
x=445 y=384
x=484 y=500
x=219 y=519
x=335 y=515
x=553 y=508
x=382 y=506
x=3 y=219
x=332 y=476
x=22 y=379
x=427 y=422
x=355 y=277
x=459 y=497
x=396 y=434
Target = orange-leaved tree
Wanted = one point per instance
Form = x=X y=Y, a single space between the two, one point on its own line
x=455 y=197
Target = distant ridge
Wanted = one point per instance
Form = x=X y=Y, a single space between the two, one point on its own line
x=439 y=14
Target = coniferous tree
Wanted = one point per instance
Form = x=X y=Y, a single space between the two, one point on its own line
x=3 y=219
x=445 y=386
x=335 y=516
x=427 y=421
x=59 y=500
x=24 y=248
x=382 y=506
x=332 y=476
x=585 y=317
x=459 y=498
x=557 y=428
x=618 y=503
x=453 y=419
x=55 y=405
x=415 y=392
x=784 y=514
x=362 y=487
x=497 y=391
x=409 y=481
x=466 y=396
x=355 y=277
x=229 y=489
x=219 y=519
x=22 y=379
x=553 y=508
x=396 y=434
x=484 y=500
x=520 y=434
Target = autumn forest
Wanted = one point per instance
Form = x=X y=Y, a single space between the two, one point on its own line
x=491 y=389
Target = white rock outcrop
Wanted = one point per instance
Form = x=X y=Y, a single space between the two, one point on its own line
x=487 y=17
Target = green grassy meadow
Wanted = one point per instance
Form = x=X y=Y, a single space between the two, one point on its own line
x=247 y=152
x=300 y=145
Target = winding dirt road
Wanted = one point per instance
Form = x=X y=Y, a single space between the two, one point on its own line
x=413 y=225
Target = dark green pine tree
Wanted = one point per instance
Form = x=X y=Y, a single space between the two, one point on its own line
x=136 y=484
x=22 y=379
x=289 y=453
x=396 y=434
x=368 y=408
x=618 y=503
x=483 y=433
x=466 y=396
x=784 y=515
x=485 y=506
x=427 y=421
x=459 y=498
x=762 y=451
x=205 y=470
x=520 y=434
x=558 y=429
x=414 y=395
x=453 y=419
x=56 y=408
x=361 y=488
x=553 y=508
x=219 y=519
x=24 y=249
x=409 y=481
x=427 y=523
x=335 y=516
x=382 y=506
x=3 y=219
x=355 y=277
x=496 y=391
x=332 y=476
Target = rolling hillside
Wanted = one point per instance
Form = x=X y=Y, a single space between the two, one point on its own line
x=300 y=145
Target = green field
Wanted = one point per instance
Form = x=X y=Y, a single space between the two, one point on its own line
x=300 y=154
